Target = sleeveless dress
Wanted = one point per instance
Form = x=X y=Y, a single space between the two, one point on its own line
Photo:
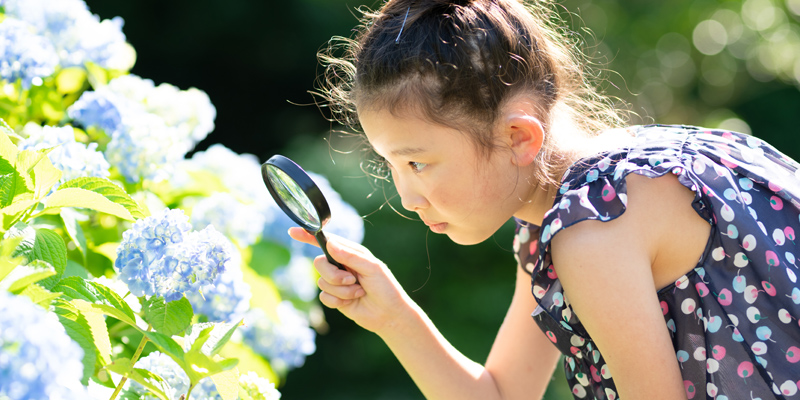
x=733 y=319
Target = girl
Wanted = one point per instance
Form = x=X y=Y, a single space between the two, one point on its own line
x=659 y=260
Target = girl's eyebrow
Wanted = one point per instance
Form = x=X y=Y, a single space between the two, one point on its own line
x=408 y=151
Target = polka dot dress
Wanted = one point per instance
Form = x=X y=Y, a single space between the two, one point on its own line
x=733 y=319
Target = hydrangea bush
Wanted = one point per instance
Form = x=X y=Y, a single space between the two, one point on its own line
x=127 y=269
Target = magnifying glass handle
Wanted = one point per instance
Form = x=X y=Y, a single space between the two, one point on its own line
x=323 y=244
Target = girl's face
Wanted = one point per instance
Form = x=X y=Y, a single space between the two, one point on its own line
x=441 y=175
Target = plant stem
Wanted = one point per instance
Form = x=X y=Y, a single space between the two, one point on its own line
x=189 y=392
x=133 y=362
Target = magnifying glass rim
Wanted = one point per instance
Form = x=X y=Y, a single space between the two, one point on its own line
x=306 y=184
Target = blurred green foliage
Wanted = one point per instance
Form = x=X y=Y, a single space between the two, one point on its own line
x=715 y=63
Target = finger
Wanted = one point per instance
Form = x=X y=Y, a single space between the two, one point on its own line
x=301 y=235
x=331 y=301
x=343 y=292
x=363 y=263
x=332 y=274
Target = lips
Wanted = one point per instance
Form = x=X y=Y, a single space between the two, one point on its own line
x=436 y=227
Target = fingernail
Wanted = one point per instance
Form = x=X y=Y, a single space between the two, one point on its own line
x=349 y=280
x=360 y=292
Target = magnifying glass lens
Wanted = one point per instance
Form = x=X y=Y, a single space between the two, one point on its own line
x=293 y=197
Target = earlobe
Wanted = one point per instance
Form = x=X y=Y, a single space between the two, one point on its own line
x=526 y=138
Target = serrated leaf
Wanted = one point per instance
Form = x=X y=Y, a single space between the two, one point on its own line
x=25 y=275
x=227 y=383
x=167 y=345
x=39 y=295
x=74 y=230
x=78 y=329
x=49 y=247
x=26 y=165
x=154 y=383
x=98 y=194
x=13 y=211
x=169 y=318
x=7 y=259
x=103 y=299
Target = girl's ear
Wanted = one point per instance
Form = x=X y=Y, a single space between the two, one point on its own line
x=525 y=135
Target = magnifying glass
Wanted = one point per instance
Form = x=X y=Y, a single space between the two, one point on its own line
x=299 y=197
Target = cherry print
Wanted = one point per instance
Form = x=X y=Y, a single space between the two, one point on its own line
x=714 y=323
x=745 y=369
x=759 y=348
x=712 y=365
x=793 y=354
x=784 y=316
x=595 y=374
x=702 y=289
x=772 y=258
x=690 y=391
x=779 y=237
x=718 y=352
x=769 y=288
x=740 y=260
x=700 y=354
x=749 y=243
x=776 y=203
x=789 y=388
x=744 y=251
x=725 y=297
x=739 y=283
x=789 y=232
x=712 y=390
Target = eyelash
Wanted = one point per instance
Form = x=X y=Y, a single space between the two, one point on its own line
x=417 y=167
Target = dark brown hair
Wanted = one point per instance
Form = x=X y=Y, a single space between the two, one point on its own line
x=458 y=62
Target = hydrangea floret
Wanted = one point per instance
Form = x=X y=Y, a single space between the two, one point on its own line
x=241 y=222
x=24 y=55
x=74 y=159
x=286 y=342
x=38 y=361
x=161 y=256
x=228 y=298
x=258 y=388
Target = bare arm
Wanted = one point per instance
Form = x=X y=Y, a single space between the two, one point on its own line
x=607 y=271
x=519 y=365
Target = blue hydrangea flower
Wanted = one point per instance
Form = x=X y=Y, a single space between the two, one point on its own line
x=189 y=110
x=298 y=278
x=145 y=148
x=241 y=222
x=228 y=298
x=286 y=343
x=77 y=34
x=165 y=367
x=241 y=173
x=159 y=255
x=74 y=159
x=99 y=109
x=38 y=361
x=258 y=388
x=24 y=55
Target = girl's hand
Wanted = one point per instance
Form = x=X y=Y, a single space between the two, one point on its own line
x=366 y=292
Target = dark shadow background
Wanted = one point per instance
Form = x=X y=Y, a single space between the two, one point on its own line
x=256 y=60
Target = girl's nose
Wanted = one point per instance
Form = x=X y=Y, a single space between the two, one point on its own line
x=411 y=198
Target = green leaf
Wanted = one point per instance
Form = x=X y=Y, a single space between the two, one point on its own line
x=48 y=246
x=154 y=383
x=98 y=327
x=28 y=274
x=227 y=383
x=169 y=318
x=103 y=299
x=98 y=194
x=8 y=261
x=214 y=339
x=249 y=361
x=74 y=230
x=78 y=329
x=167 y=345
x=39 y=295
x=12 y=213
x=37 y=171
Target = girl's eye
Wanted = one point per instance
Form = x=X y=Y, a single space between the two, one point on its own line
x=417 y=167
